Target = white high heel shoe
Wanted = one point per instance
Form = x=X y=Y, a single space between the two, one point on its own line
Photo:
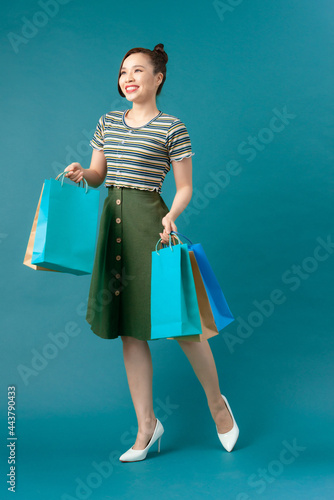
x=135 y=455
x=228 y=439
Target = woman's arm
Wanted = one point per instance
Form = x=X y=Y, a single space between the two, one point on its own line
x=94 y=175
x=183 y=181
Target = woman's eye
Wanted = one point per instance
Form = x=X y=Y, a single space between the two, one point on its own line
x=135 y=70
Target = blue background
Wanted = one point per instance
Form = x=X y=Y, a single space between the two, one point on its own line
x=232 y=67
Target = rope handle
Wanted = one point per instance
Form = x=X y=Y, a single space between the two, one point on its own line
x=174 y=235
x=176 y=232
x=170 y=241
x=168 y=244
x=62 y=175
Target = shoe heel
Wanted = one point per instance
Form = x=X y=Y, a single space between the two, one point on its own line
x=159 y=444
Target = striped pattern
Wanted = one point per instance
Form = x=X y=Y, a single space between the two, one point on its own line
x=140 y=157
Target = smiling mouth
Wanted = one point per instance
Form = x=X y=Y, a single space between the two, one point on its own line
x=131 y=88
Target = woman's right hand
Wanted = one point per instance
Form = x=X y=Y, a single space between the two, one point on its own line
x=74 y=172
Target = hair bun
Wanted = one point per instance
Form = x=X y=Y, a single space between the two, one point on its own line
x=161 y=51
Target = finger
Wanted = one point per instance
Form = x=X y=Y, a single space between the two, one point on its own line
x=76 y=177
x=163 y=238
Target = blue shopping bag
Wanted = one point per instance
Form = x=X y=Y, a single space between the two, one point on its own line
x=174 y=307
x=221 y=311
x=66 y=228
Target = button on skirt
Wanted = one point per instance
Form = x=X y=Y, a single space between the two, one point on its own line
x=119 y=301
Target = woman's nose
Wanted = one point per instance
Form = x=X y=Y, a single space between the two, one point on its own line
x=129 y=78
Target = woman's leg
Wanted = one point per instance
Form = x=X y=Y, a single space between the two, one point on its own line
x=139 y=370
x=203 y=363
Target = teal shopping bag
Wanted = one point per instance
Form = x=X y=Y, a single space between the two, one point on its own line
x=174 y=306
x=220 y=309
x=66 y=228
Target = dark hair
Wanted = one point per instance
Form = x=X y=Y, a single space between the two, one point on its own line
x=159 y=59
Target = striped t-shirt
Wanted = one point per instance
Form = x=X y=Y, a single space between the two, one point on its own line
x=140 y=157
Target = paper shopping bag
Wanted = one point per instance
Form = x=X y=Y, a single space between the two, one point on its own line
x=66 y=228
x=30 y=246
x=174 y=307
x=220 y=309
x=209 y=328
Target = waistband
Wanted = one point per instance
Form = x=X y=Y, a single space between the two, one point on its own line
x=115 y=188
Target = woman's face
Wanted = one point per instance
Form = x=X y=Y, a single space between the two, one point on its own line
x=136 y=80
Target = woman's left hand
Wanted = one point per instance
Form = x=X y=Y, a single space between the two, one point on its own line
x=169 y=226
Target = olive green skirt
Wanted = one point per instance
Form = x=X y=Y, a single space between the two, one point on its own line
x=119 y=301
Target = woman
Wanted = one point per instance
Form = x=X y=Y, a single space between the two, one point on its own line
x=133 y=150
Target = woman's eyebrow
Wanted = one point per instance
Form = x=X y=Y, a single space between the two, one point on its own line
x=134 y=66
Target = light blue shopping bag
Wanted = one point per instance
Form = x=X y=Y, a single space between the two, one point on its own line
x=66 y=228
x=174 y=306
x=220 y=310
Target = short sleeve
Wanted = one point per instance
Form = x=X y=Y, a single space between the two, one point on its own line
x=178 y=142
x=97 y=141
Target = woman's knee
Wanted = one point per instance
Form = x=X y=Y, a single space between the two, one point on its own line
x=184 y=343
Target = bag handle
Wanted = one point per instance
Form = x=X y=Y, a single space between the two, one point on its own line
x=62 y=175
x=176 y=232
x=170 y=240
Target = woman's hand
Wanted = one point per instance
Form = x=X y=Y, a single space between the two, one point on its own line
x=74 y=172
x=169 y=226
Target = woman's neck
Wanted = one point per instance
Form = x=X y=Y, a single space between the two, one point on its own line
x=141 y=113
